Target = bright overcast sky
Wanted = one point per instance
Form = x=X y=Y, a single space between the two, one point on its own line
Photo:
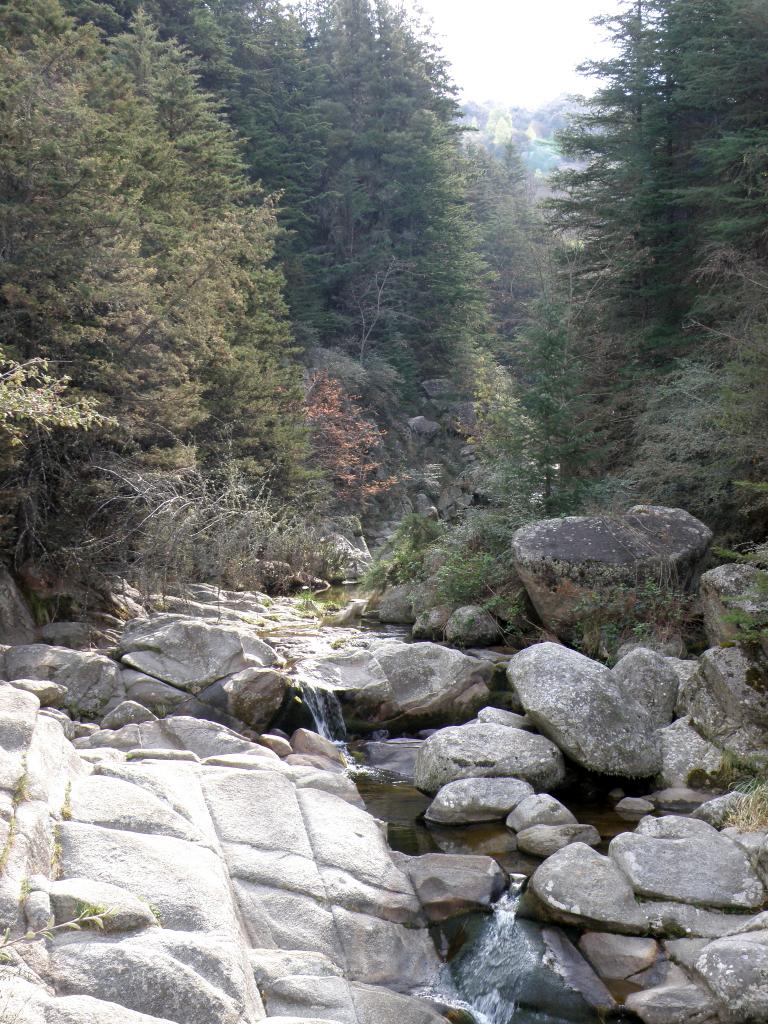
x=518 y=51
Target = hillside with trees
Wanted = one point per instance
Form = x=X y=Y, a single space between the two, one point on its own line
x=238 y=236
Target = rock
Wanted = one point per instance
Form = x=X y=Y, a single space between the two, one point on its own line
x=498 y=716
x=431 y=623
x=16 y=623
x=727 y=700
x=160 y=698
x=576 y=972
x=579 y=886
x=730 y=591
x=673 y=647
x=473 y=800
x=632 y=808
x=348 y=560
x=648 y=677
x=735 y=970
x=717 y=812
x=541 y=809
x=687 y=759
x=407 y=685
x=75 y=635
x=545 y=840
x=684 y=952
x=687 y=861
x=679 y=799
x=191 y=653
x=396 y=756
x=449 y=884
x=618 y=957
x=480 y=750
x=278 y=744
x=255 y=695
x=92 y=681
x=128 y=712
x=423 y=428
x=178 y=735
x=304 y=741
x=51 y=695
x=589 y=712
x=472 y=626
x=396 y=605
x=121 y=910
x=66 y=723
x=670 y=920
x=566 y=563
x=673 y=1004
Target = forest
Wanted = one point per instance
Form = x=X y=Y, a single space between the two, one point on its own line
x=238 y=235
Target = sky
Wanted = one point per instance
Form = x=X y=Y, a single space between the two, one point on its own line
x=521 y=52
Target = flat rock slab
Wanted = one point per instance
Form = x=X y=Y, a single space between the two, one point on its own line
x=618 y=957
x=687 y=861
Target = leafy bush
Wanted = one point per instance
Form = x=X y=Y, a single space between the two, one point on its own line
x=405 y=564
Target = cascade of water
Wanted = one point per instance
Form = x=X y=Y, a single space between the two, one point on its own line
x=483 y=972
x=324 y=706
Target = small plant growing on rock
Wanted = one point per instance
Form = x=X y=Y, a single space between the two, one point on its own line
x=750 y=814
x=88 y=916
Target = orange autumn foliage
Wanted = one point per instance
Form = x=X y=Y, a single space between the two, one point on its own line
x=344 y=441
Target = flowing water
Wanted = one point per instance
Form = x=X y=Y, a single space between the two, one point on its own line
x=324 y=706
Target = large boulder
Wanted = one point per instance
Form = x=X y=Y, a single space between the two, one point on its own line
x=16 y=623
x=467 y=801
x=472 y=626
x=545 y=840
x=190 y=653
x=395 y=606
x=451 y=884
x=430 y=624
x=578 y=886
x=605 y=720
x=731 y=596
x=727 y=700
x=408 y=684
x=485 y=750
x=349 y=559
x=687 y=861
x=255 y=695
x=735 y=970
x=566 y=563
x=93 y=681
x=687 y=759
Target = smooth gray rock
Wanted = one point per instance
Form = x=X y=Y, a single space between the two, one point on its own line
x=673 y=1004
x=472 y=626
x=687 y=759
x=161 y=698
x=648 y=677
x=581 y=887
x=540 y=809
x=576 y=971
x=498 y=716
x=51 y=695
x=688 y=861
x=448 y=885
x=305 y=741
x=588 y=711
x=92 y=681
x=735 y=970
x=473 y=800
x=632 y=808
x=679 y=799
x=128 y=712
x=191 y=653
x=545 y=840
x=670 y=920
x=618 y=957
x=479 y=750
x=565 y=563
x=123 y=911
x=430 y=624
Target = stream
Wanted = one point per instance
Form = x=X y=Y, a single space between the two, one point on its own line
x=496 y=963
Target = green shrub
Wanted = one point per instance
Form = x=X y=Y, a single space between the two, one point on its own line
x=410 y=543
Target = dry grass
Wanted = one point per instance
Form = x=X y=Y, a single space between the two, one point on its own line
x=751 y=813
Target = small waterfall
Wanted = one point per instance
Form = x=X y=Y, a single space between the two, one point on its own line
x=324 y=706
x=483 y=972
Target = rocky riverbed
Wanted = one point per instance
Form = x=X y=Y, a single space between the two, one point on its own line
x=266 y=816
